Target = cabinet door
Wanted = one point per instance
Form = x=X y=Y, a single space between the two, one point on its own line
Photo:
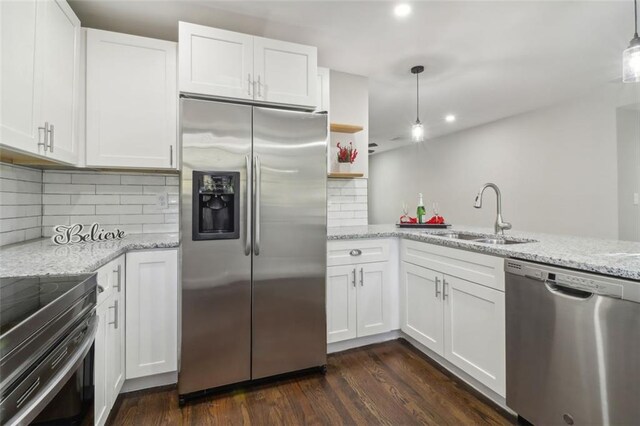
x=132 y=107
x=374 y=309
x=421 y=306
x=215 y=62
x=115 y=330
x=151 y=313
x=474 y=330
x=58 y=53
x=286 y=73
x=20 y=91
x=341 y=303
x=101 y=386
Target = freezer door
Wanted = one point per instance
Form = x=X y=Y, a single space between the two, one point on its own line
x=216 y=273
x=290 y=235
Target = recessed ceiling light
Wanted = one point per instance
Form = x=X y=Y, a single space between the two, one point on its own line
x=402 y=10
x=450 y=118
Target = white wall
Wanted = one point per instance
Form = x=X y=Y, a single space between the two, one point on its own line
x=629 y=173
x=350 y=105
x=556 y=168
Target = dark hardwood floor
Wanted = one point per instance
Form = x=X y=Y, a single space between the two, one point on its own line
x=389 y=383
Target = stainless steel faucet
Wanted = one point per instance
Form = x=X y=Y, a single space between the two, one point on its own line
x=500 y=225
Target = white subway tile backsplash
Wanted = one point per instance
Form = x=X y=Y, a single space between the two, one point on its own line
x=143 y=180
x=119 y=209
x=114 y=200
x=61 y=209
x=56 y=177
x=118 y=189
x=347 y=202
x=97 y=178
x=20 y=203
x=95 y=199
x=138 y=199
x=61 y=188
x=56 y=199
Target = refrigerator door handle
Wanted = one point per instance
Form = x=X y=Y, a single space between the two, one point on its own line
x=247 y=231
x=256 y=247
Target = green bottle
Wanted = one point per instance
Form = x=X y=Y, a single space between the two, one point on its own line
x=421 y=212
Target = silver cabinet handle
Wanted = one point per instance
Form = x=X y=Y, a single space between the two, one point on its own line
x=115 y=314
x=118 y=270
x=354 y=277
x=444 y=289
x=257 y=206
x=355 y=252
x=361 y=277
x=100 y=289
x=170 y=155
x=247 y=231
x=45 y=130
x=51 y=135
x=437 y=288
x=249 y=84
x=259 y=87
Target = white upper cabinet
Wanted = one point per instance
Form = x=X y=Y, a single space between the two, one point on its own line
x=131 y=101
x=20 y=91
x=40 y=78
x=215 y=62
x=60 y=38
x=285 y=73
x=226 y=64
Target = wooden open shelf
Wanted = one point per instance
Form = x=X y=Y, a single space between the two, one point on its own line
x=345 y=175
x=345 y=128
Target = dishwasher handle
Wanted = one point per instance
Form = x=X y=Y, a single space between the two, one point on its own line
x=569 y=292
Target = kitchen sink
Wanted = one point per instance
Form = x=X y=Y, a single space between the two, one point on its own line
x=483 y=239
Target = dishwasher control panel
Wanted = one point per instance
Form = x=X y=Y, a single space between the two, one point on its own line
x=588 y=282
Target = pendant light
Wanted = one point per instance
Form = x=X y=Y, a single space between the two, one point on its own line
x=417 y=130
x=631 y=55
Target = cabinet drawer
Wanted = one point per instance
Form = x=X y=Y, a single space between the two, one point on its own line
x=475 y=267
x=351 y=252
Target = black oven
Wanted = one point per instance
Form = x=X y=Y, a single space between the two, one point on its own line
x=47 y=332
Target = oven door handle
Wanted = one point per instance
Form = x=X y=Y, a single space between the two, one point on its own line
x=51 y=388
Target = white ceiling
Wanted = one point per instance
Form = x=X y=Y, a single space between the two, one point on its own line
x=484 y=60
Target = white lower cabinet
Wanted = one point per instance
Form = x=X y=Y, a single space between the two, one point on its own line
x=461 y=320
x=152 y=313
x=422 y=310
x=109 y=350
x=474 y=331
x=341 y=303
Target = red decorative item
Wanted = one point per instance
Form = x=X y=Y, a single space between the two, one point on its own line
x=437 y=220
x=408 y=219
x=347 y=154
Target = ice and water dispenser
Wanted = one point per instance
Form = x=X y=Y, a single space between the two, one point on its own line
x=216 y=205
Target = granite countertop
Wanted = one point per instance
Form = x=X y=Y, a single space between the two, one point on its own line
x=42 y=257
x=609 y=257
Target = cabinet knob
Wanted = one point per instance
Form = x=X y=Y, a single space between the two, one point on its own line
x=355 y=252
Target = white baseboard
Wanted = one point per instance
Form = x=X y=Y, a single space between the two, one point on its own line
x=362 y=341
x=157 y=380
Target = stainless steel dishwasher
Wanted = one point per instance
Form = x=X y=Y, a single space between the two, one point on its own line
x=573 y=346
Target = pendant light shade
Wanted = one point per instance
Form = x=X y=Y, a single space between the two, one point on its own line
x=631 y=55
x=417 y=130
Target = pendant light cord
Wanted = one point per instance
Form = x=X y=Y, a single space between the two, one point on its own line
x=418 y=98
x=635 y=15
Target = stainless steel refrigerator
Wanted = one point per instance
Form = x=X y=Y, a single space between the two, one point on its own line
x=253 y=238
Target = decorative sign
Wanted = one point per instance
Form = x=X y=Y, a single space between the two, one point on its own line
x=71 y=234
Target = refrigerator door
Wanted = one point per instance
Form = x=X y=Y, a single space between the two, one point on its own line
x=290 y=237
x=216 y=273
